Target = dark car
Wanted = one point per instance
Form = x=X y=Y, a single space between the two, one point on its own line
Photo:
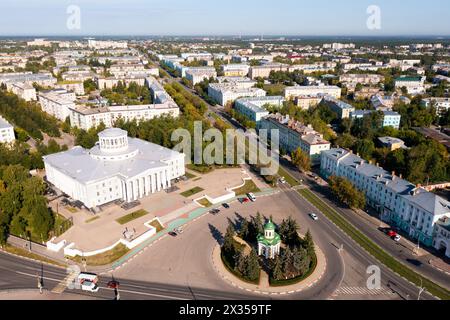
x=113 y=284
x=226 y=205
x=173 y=233
x=214 y=211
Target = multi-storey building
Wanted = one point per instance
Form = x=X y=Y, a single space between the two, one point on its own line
x=342 y=109
x=24 y=90
x=253 y=108
x=413 y=85
x=235 y=70
x=43 y=79
x=390 y=118
x=351 y=80
x=295 y=91
x=294 y=135
x=57 y=103
x=198 y=74
x=442 y=105
x=6 y=131
x=419 y=213
x=225 y=93
x=264 y=70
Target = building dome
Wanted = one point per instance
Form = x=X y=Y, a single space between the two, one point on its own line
x=113 y=140
x=269 y=226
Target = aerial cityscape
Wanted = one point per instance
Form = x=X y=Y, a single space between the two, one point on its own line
x=147 y=156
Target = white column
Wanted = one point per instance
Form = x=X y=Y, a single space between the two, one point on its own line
x=141 y=188
x=129 y=191
x=135 y=190
x=158 y=180
x=163 y=179
x=147 y=185
x=168 y=179
x=153 y=182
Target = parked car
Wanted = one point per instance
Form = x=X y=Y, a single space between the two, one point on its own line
x=397 y=238
x=314 y=216
x=392 y=233
x=251 y=196
x=226 y=205
x=173 y=233
x=214 y=211
x=179 y=230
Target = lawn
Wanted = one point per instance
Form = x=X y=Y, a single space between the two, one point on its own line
x=190 y=175
x=25 y=253
x=155 y=223
x=371 y=247
x=289 y=179
x=92 y=219
x=132 y=216
x=204 y=202
x=191 y=192
x=248 y=187
x=274 y=89
x=104 y=258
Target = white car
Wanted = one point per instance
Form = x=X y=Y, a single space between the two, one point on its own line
x=252 y=197
x=314 y=216
x=397 y=238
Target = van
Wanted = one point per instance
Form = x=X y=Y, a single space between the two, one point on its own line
x=251 y=196
x=88 y=281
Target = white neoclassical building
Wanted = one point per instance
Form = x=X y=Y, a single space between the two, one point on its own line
x=116 y=168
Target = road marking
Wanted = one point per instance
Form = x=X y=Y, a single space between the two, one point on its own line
x=363 y=291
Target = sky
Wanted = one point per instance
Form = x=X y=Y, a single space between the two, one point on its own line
x=230 y=17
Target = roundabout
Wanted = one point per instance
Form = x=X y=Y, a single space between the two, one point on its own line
x=269 y=246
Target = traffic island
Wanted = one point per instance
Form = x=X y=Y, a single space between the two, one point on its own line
x=275 y=267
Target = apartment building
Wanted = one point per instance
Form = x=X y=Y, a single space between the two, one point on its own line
x=296 y=91
x=109 y=83
x=235 y=70
x=264 y=70
x=294 y=135
x=307 y=102
x=225 y=93
x=6 y=131
x=413 y=85
x=43 y=79
x=254 y=108
x=442 y=105
x=87 y=117
x=198 y=74
x=24 y=90
x=342 y=109
x=325 y=66
x=390 y=118
x=421 y=214
x=98 y=44
x=57 y=103
x=351 y=79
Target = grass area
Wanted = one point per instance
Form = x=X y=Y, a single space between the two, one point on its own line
x=282 y=283
x=248 y=187
x=72 y=209
x=132 y=216
x=104 y=258
x=289 y=178
x=155 y=223
x=92 y=219
x=190 y=175
x=25 y=253
x=205 y=202
x=200 y=168
x=375 y=250
x=191 y=192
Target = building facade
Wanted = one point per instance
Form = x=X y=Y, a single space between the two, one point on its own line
x=411 y=208
x=296 y=91
x=6 y=131
x=117 y=168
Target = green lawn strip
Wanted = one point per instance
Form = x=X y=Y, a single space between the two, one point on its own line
x=191 y=192
x=155 y=223
x=27 y=254
x=248 y=187
x=92 y=219
x=104 y=258
x=132 y=216
x=375 y=250
x=205 y=202
x=289 y=178
x=190 y=175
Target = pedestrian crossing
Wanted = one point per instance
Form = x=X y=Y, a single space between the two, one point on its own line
x=65 y=283
x=363 y=291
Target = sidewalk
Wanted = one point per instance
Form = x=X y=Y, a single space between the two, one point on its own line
x=33 y=294
x=36 y=248
x=264 y=287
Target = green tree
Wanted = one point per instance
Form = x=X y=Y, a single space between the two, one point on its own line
x=252 y=268
x=301 y=160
